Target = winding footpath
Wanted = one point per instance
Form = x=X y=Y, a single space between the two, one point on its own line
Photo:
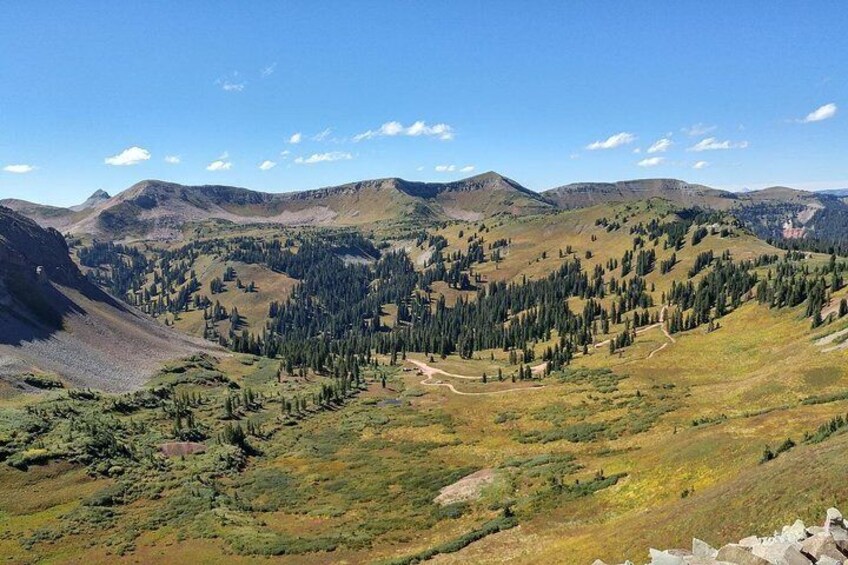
x=665 y=331
x=429 y=371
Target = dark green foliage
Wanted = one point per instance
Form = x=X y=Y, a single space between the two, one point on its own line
x=825 y=398
x=42 y=382
x=603 y=380
x=487 y=529
x=826 y=430
x=769 y=454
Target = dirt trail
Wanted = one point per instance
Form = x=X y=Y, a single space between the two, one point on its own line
x=639 y=331
x=657 y=350
x=429 y=371
x=831 y=307
x=664 y=327
x=828 y=339
x=539 y=369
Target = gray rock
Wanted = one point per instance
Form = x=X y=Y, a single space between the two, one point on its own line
x=701 y=548
x=825 y=560
x=665 y=558
x=836 y=527
x=778 y=553
x=795 y=532
x=822 y=545
x=750 y=541
x=740 y=555
x=598 y=562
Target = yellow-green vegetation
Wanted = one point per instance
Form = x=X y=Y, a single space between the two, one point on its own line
x=251 y=304
x=643 y=434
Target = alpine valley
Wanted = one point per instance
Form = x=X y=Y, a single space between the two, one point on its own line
x=391 y=371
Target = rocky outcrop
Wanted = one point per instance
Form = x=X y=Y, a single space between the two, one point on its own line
x=795 y=544
x=98 y=197
x=29 y=253
x=54 y=321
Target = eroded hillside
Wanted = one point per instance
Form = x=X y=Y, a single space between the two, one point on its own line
x=56 y=324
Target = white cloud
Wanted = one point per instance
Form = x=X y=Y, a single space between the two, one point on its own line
x=173 y=159
x=453 y=168
x=130 y=156
x=651 y=161
x=285 y=153
x=220 y=164
x=296 y=138
x=821 y=113
x=324 y=158
x=267 y=165
x=698 y=129
x=323 y=135
x=660 y=145
x=269 y=70
x=700 y=165
x=419 y=169
x=612 y=141
x=19 y=169
x=417 y=129
x=713 y=144
x=232 y=86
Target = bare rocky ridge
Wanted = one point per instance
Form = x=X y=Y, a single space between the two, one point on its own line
x=54 y=321
x=795 y=544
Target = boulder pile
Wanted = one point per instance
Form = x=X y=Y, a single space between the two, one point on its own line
x=793 y=545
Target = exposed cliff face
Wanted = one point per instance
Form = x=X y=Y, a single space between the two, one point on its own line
x=26 y=247
x=53 y=320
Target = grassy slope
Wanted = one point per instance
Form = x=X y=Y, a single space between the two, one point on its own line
x=736 y=372
x=252 y=307
x=374 y=469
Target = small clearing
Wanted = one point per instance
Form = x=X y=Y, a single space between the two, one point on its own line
x=465 y=489
x=181 y=448
x=428 y=371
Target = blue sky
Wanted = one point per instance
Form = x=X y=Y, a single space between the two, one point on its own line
x=99 y=94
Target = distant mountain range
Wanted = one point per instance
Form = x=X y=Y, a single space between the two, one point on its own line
x=155 y=209
x=840 y=192
x=160 y=210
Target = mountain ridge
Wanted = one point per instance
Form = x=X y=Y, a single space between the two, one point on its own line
x=54 y=321
x=160 y=210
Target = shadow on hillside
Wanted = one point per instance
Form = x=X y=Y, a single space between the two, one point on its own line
x=37 y=310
